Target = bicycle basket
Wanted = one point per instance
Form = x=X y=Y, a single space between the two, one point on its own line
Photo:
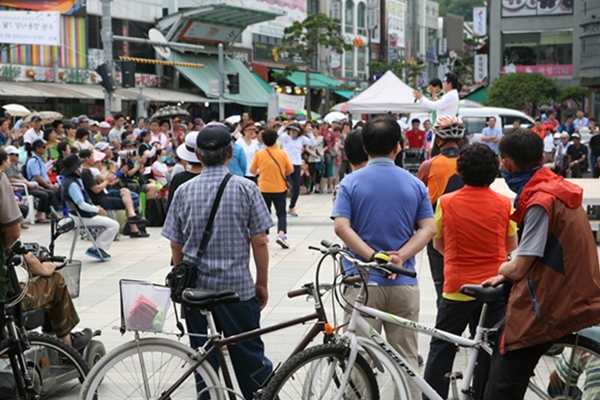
x=144 y=305
x=72 y=274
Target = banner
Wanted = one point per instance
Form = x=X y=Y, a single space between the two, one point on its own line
x=25 y=27
x=480 y=21
x=481 y=68
x=549 y=70
x=293 y=102
x=525 y=8
x=373 y=21
x=63 y=6
x=290 y=11
x=396 y=10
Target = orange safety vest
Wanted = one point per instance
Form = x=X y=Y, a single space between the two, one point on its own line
x=474 y=241
x=442 y=176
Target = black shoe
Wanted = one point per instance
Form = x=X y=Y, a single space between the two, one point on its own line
x=81 y=339
x=137 y=220
x=139 y=234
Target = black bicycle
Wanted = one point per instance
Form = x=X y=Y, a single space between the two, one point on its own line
x=34 y=365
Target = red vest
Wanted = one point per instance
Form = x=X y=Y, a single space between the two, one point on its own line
x=475 y=226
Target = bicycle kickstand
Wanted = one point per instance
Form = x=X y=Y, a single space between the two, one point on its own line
x=453 y=378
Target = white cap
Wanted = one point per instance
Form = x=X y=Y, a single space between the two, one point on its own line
x=186 y=151
x=557 y=135
x=104 y=125
x=11 y=150
x=101 y=146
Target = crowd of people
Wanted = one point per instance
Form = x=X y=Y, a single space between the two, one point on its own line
x=102 y=166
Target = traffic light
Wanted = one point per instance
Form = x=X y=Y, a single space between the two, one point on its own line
x=127 y=74
x=108 y=82
x=234 y=83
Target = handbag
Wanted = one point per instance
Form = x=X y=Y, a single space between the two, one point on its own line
x=184 y=274
x=288 y=187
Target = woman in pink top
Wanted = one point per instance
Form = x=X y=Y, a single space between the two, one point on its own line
x=157 y=136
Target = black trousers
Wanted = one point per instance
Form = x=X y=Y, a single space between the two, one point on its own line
x=278 y=200
x=315 y=175
x=510 y=372
x=344 y=169
x=294 y=179
x=453 y=317
x=46 y=198
x=578 y=169
x=436 y=265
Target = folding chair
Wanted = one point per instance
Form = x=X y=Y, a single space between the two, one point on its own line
x=81 y=224
x=30 y=201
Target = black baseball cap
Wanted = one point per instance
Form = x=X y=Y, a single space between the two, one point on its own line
x=213 y=136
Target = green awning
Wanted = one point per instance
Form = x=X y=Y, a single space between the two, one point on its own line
x=479 y=95
x=347 y=94
x=264 y=84
x=251 y=93
x=317 y=80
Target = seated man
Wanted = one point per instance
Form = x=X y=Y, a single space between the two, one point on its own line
x=48 y=289
x=112 y=199
x=136 y=169
x=73 y=191
x=37 y=173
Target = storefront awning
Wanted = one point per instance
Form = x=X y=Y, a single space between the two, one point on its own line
x=347 y=94
x=51 y=90
x=264 y=84
x=251 y=93
x=317 y=80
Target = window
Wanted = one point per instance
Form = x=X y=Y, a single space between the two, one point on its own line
x=508 y=120
x=349 y=17
x=547 y=52
x=474 y=125
x=361 y=59
x=349 y=63
x=361 y=19
x=312 y=6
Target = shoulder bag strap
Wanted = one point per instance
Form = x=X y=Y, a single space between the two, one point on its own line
x=278 y=166
x=211 y=218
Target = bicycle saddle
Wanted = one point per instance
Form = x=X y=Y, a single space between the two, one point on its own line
x=208 y=299
x=487 y=294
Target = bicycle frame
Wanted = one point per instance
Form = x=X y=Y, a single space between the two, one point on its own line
x=215 y=343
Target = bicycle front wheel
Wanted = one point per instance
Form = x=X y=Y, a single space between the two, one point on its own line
x=317 y=372
x=56 y=369
x=146 y=369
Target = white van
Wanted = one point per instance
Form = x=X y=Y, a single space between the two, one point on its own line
x=475 y=119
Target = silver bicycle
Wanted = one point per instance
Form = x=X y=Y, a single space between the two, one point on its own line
x=568 y=375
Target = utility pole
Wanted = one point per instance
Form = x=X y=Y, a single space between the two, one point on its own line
x=221 y=85
x=107 y=43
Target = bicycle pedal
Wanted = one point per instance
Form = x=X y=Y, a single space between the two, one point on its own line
x=453 y=376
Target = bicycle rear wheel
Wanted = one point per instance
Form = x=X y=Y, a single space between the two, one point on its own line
x=56 y=368
x=570 y=375
x=145 y=369
x=317 y=373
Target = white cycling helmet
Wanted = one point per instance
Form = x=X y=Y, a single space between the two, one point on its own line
x=449 y=127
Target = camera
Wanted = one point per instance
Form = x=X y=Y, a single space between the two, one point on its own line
x=127 y=153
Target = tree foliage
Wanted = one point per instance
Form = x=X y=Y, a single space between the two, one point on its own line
x=575 y=93
x=301 y=41
x=459 y=7
x=517 y=90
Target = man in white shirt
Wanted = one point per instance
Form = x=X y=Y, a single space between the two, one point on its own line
x=114 y=136
x=581 y=121
x=448 y=104
x=34 y=133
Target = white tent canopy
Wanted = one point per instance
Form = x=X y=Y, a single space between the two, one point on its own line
x=387 y=94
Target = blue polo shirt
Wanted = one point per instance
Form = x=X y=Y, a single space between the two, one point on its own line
x=383 y=203
x=37 y=166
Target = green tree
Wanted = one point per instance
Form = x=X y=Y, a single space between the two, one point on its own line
x=459 y=7
x=575 y=93
x=301 y=41
x=516 y=90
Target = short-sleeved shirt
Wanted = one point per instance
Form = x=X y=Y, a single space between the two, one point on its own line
x=416 y=139
x=250 y=150
x=13 y=172
x=31 y=136
x=271 y=175
x=37 y=166
x=3 y=139
x=242 y=213
x=577 y=153
x=10 y=214
x=293 y=147
x=383 y=198
x=570 y=129
x=115 y=135
x=496 y=132
x=89 y=181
